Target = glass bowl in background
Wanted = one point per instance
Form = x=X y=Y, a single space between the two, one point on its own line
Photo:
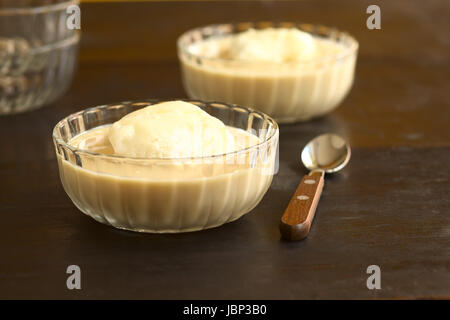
x=166 y=194
x=38 y=53
x=287 y=91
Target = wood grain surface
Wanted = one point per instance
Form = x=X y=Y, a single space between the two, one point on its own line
x=389 y=206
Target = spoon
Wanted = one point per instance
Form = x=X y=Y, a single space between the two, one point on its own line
x=326 y=153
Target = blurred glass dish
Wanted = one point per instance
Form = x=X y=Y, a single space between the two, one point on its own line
x=165 y=194
x=38 y=53
x=288 y=91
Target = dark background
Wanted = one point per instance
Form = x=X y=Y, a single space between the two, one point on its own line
x=389 y=207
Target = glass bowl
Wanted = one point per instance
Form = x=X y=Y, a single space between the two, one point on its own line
x=166 y=194
x=38 y=22
x=287 y=91
x=38 y=53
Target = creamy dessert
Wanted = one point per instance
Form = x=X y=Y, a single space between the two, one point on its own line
x=169 y=130
x=288 y=73
x=168 y=167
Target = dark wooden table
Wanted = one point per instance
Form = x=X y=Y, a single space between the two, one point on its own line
x=390 y=207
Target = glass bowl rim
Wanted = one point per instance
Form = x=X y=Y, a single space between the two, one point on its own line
x=12 y=11
x=58 y=140
x=349 y=50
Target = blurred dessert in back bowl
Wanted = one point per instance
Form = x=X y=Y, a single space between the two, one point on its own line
x=38 y=53
x=293 y=72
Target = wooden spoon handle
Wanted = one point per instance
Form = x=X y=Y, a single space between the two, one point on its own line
x=299 y=214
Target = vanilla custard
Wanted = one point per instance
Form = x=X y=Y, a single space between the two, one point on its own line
x=133 y=174
x=284 y=72
x=173 y=129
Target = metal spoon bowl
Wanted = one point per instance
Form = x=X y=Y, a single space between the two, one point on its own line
x=328 y=152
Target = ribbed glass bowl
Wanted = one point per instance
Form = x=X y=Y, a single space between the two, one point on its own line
x=166 y=194
x=38 y=53
x=287 y=91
